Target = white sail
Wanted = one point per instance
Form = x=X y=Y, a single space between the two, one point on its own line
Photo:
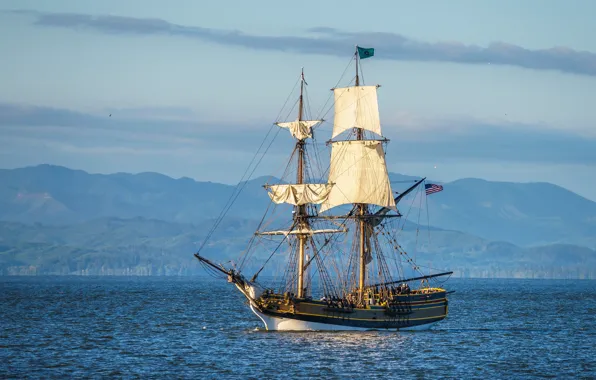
x=356 y=107
x=359 y=175
x=299 y=194
x=300 y=129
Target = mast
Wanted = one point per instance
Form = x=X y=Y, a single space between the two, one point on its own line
x=301 y=212
x=362 y=211
x=300 y=193
x=357 y=77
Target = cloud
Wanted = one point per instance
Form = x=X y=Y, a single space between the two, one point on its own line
x=329 y=41
x=155 y=129
x=172 y=113
x=95 y=148
x=489 y=142
x=471 y=140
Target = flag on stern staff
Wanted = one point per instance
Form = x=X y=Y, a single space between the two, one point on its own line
x=432 y=188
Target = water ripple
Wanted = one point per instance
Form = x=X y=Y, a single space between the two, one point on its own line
x=197 y=328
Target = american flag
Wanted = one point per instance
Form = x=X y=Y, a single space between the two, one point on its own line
x=432 y=188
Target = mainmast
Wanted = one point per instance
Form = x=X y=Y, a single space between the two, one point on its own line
x=363 y=209
x=357 y=76
x=358 y=171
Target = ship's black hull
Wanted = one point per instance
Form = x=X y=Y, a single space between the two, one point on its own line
x=408 y=312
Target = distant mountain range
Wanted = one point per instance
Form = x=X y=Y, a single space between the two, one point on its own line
x=58 y=195
x=522 y=213
x=58 y=220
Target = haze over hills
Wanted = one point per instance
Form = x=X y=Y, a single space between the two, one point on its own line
x=58 y=195
x=58 y=220
x=521 y=213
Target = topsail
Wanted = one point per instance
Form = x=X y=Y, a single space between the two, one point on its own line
x=356 y=107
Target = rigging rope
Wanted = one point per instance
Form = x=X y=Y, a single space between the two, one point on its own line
x=247 y=253
x=244 y=181
x=307 y=168
x=320 y=113
x=427 y=215
x=254 y=277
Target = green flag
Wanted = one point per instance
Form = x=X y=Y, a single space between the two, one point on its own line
x=365 y=52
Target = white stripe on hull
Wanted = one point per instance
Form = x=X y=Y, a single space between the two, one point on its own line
x=287 y=324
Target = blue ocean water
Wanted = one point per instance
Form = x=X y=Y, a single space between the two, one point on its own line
x=185 y=327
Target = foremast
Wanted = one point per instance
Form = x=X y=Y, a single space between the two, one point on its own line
x=301 y=193
x=300 y=216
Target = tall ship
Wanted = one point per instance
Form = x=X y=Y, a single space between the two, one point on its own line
x=340 y=265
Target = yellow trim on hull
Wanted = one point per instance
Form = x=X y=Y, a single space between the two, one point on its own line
x=362 y=319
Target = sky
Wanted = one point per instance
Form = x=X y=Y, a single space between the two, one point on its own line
x=501 y=90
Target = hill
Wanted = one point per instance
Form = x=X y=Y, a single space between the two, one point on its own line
x=57 y=195
x=522 y=213
x=144 y=246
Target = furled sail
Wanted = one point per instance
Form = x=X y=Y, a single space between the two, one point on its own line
x=299 y=194
x=359 y=175
x=303 y=231
x=356 y=107
x=300 y=129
